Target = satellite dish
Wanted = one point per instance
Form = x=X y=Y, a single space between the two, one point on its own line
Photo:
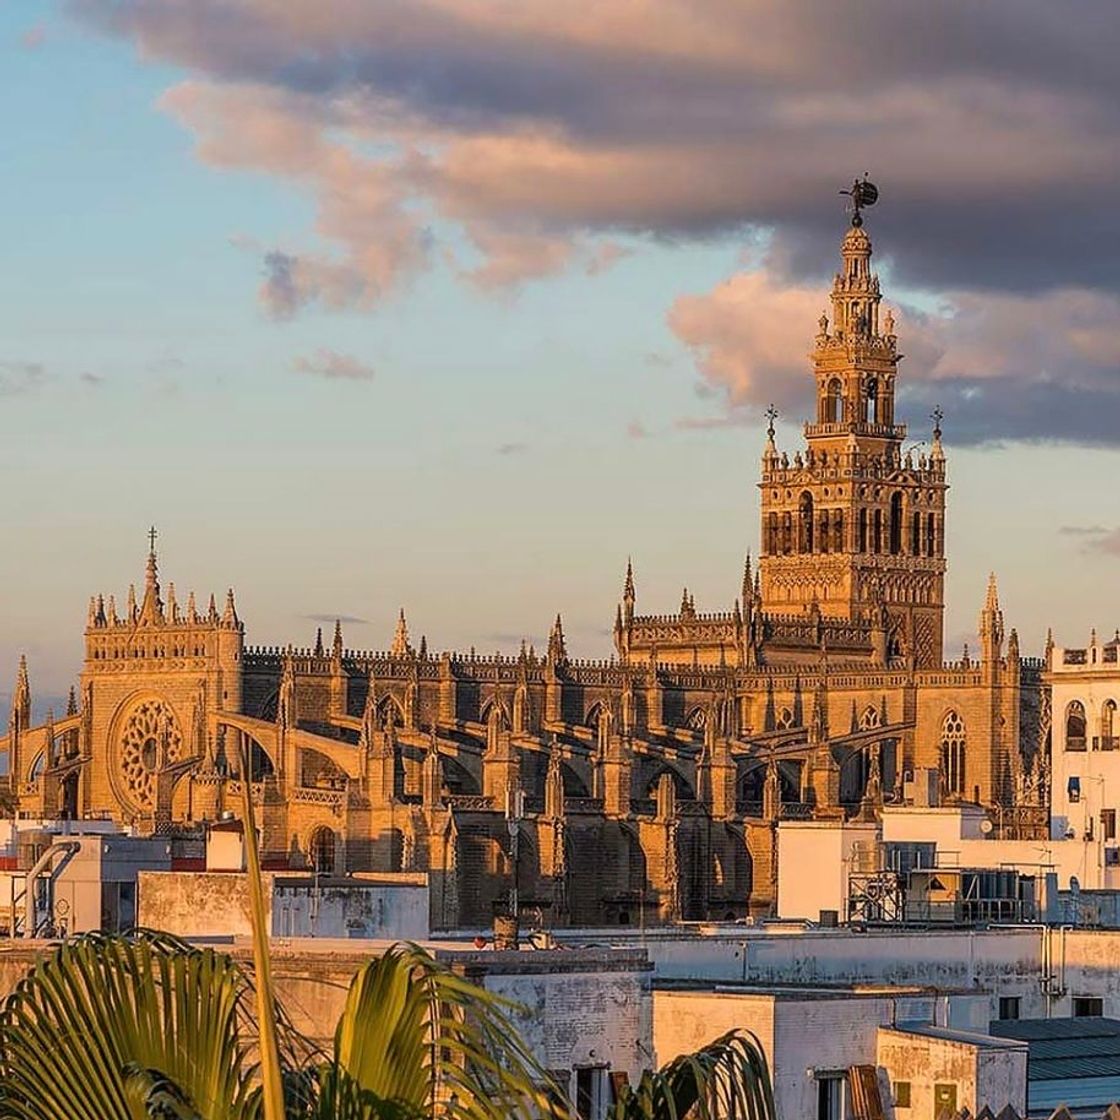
x=986 y=826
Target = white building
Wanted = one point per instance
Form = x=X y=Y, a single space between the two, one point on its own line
x=1085 y=751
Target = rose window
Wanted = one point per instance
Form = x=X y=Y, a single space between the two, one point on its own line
x=150 y=740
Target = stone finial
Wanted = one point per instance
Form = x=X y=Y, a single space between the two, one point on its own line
x=401 y=646
x=557 y=650
x=212 y=609
x=72 y=702
x=229 y=615
x=319 y=651
x=991 y=601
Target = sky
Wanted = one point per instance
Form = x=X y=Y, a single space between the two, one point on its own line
x=457 y=304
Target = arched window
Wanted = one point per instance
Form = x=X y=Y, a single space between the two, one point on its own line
x=952 y=753
x=321 y=851
x=873 y=402
x=823 y=538
x=805 y=543
x=877 y=531
x=697 y=719
x=787 y=533
x=838 y=531
x=931 y=535
x=1075 y=726
x=863 y=530
x=785 y=719
x=1108 y=726
x=916 y=534
x=773 y=541
x=833 y=402
x=896 y=523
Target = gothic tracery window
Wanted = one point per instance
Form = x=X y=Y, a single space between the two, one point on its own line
x=1108 y=726
x=953 y=753
x=785 y=719
x=150 y=740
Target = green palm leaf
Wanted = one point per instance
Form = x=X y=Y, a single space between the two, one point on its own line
x=726 y=1080
x=123 y=1027
x=415 y=1039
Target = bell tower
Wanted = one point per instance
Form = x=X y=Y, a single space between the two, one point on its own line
x=853 y=525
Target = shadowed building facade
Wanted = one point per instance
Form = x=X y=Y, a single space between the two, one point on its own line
x=646 y=788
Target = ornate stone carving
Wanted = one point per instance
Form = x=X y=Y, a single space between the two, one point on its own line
x=150 y=740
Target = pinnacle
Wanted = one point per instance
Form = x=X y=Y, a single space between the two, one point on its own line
x=991 y=603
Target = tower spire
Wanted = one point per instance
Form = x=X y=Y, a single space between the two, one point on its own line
x=401 y=646
x=150 y=612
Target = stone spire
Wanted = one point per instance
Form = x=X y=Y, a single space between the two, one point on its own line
x=319 y=652
x=748 y=581
x=991 y=624
x=629 y=596
x=336 y=641
x=151 y=609
x=21 y=695
x=401 y=646
x=557 y=650
x=229 y=615
x=72 y=702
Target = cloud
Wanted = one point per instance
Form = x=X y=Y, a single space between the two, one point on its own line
x=636 y=430
x=93 y=380
x=543 y=133
x=1033 y=366
x=344 y=619
x=333 y=366
x=1095 y=538
x=20 y=377
x=513 y=448
x=34 y=37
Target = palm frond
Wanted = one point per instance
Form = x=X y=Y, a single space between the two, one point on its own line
x=416 y=1039
x=108 y=1024
x=728 y=1079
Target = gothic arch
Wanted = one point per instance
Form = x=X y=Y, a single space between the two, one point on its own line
x=318 y=770
x=870 y=718
x=953 y=759
x=680 y=782
x=389 y=712
x=697 y=718
x=1075 y=725
x=495 y=706
x=833 y=402
x=323 y=850
x=1108 y=725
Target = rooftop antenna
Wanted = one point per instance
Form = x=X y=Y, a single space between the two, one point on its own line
x=861 y=193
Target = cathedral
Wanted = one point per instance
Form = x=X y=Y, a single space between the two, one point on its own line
x=642 y=789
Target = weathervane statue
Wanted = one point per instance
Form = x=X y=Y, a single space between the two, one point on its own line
x=862 y=193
